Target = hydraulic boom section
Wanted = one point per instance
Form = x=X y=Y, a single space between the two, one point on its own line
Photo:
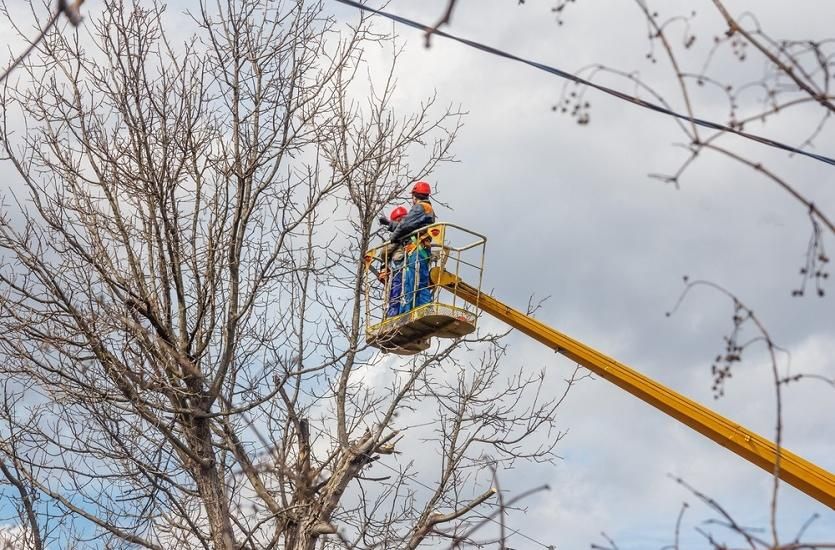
x=794 y=470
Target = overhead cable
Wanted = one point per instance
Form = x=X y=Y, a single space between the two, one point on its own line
x=579 y=80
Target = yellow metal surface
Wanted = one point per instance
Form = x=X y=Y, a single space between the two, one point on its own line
x=408 y=333
x=794 y=470
x=439 y=319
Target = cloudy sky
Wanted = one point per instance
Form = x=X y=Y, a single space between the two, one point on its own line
x=572 y=215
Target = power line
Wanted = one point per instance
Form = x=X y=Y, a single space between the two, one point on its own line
x=579 y=80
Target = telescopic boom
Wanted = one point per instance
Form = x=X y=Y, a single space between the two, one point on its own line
x=794 y=470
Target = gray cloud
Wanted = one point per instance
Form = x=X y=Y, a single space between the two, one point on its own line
x=571 y=214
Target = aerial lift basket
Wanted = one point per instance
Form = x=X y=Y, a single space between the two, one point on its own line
x=453 y=249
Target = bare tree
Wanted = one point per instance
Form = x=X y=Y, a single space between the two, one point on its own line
x=180 y=294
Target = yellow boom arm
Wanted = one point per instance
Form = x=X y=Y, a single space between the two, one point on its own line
x=794 y=470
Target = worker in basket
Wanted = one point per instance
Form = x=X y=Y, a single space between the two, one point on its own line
x=416 y=284
x=395 y=259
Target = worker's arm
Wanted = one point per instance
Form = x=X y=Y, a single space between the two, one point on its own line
x=415 y=219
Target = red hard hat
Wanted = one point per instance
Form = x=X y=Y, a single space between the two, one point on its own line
x=398 y=213
x=421 y=188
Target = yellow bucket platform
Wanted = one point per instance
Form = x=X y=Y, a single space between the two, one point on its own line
x=409 y=333
x=452 y=248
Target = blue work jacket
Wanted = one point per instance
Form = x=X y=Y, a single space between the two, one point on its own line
x=419 y=216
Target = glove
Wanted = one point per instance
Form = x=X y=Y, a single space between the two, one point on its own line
x=384 y=221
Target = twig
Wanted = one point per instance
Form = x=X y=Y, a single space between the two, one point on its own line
x=73 y=13
x=442 y=21
x=459 y=539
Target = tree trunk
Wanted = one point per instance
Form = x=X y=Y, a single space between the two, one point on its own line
x=210 y=487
